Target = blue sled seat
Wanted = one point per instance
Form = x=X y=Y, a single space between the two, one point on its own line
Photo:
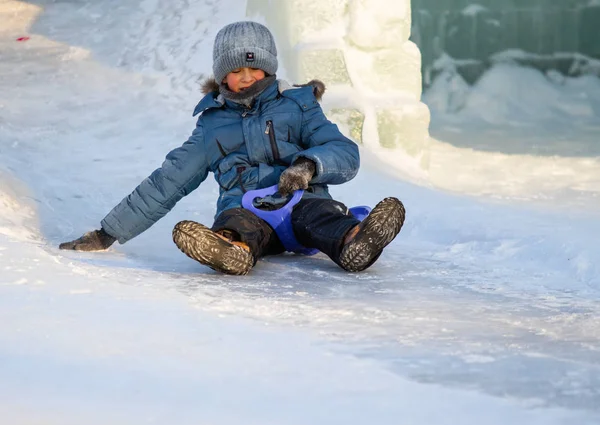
x=281 y=219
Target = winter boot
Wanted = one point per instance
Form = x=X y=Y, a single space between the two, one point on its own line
x=365 y=242
x=212 y=249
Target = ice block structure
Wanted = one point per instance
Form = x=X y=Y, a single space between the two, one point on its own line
x=361 y=50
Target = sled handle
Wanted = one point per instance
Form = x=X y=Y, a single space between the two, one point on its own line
x=250 y=196
x=280 y=220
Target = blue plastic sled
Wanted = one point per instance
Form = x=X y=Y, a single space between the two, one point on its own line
x=281 y=219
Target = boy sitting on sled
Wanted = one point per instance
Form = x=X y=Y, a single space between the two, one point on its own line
x=253 y=132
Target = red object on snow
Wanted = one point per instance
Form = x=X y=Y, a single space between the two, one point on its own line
x=23 y=38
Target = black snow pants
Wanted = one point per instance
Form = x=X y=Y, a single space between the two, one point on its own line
x=317 y=223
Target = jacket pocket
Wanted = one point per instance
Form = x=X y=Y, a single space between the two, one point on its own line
x=270 y=131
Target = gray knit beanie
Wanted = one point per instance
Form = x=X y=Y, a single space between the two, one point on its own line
x=244 y=44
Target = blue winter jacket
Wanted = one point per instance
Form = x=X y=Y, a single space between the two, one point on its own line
x=246 y=149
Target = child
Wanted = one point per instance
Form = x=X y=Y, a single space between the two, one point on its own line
x=253 y=132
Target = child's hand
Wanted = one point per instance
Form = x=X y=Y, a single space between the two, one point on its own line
x=96 y=240
x=296 y=176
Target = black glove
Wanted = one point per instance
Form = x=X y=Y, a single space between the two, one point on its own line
x=297 y=176
x=96 y=240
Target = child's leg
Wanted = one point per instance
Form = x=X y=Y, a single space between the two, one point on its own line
x=328 y=226
x=322 y=224
x=239 y=224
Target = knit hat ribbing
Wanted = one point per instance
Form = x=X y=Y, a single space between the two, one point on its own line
x=244 y=44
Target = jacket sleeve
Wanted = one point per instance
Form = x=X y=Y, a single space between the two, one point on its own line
x=182 y=172
x=336 y=157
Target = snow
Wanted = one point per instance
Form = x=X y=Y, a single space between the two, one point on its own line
x=484 y=311
x=510 y=92
x=523 y=134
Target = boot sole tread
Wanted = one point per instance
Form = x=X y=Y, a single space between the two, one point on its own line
x=203 y=245
x=378 y=230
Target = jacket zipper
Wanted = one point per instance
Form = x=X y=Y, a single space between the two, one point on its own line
x=240 y=170
x=270 y=131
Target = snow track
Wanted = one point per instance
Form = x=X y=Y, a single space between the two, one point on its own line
x=499 y=299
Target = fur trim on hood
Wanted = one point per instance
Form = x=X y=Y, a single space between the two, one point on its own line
x=210 y=85
x=318 y=88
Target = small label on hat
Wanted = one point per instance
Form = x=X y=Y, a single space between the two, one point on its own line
x=249 y=56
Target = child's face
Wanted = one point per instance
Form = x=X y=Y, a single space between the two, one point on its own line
x=240 y=79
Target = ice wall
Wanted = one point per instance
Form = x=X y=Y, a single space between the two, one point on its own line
x=545 y=34
x=360 y=49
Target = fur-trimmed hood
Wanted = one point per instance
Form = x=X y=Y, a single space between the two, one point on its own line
x=210 y=85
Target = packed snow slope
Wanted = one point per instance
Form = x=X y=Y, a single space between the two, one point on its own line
x=482 y=312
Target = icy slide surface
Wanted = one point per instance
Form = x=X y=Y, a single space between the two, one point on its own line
x=480 y=313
